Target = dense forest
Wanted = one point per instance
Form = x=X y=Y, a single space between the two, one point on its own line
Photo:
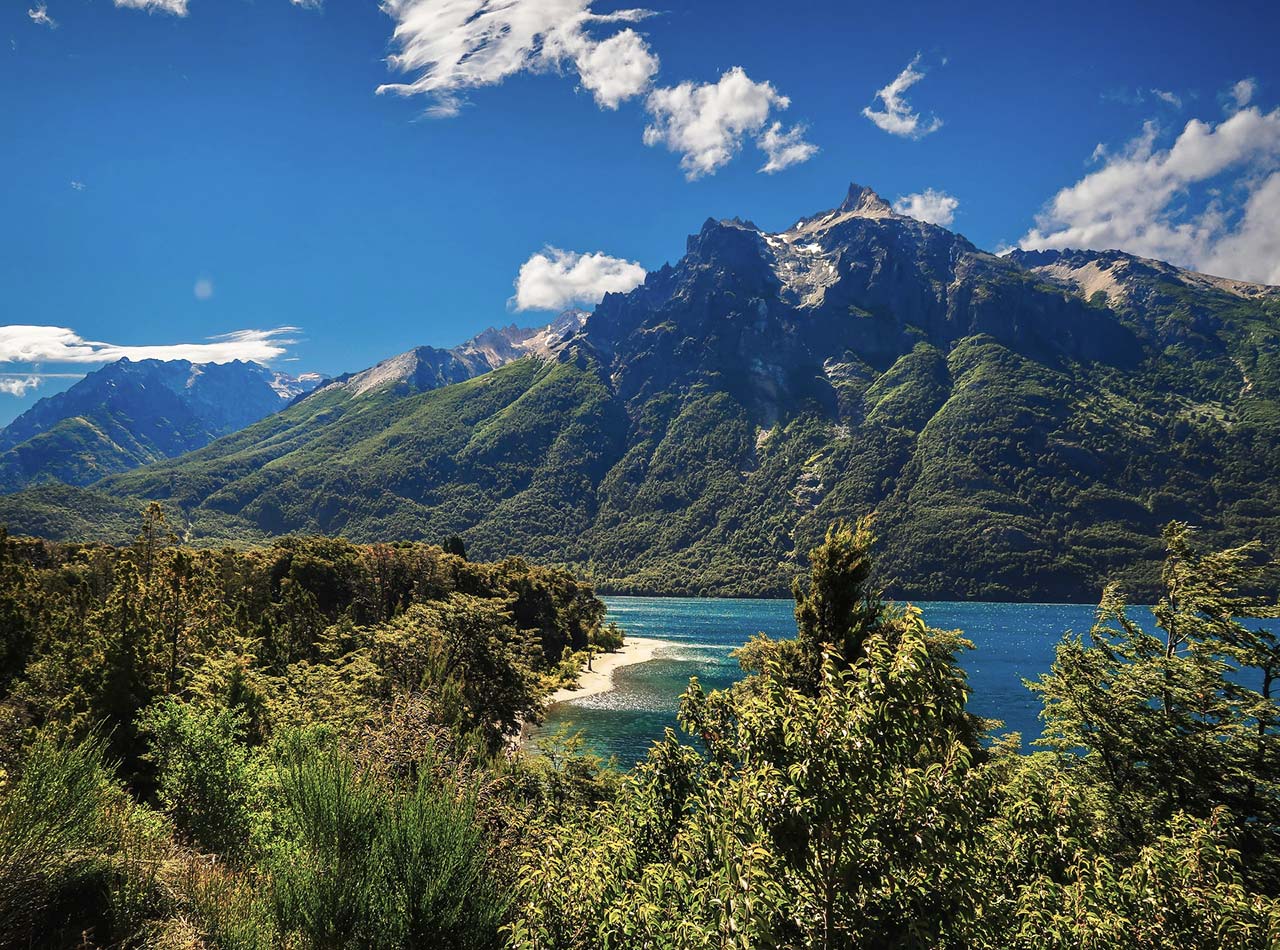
x=309 y=745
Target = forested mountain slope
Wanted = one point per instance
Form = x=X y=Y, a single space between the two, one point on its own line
x=1021 y=425
x=129 y=413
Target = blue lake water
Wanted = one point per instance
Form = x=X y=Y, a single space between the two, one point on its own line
x=1011 y=642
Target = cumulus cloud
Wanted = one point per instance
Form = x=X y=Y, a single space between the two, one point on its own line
x=897 y=117
x=930 y=206
x=41 y=344
x=458 y=45
x=40 y=15
x=554 y=279
x=784 y=148
x=705 y=123
x=621 y=67
x=18 y=385
x=1210 y=201
x=176 y=7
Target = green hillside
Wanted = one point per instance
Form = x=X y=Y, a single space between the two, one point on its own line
x=1014 y=439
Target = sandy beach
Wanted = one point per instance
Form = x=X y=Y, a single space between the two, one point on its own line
x=600 y=678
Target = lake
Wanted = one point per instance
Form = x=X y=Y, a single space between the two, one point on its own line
x=1011 y=642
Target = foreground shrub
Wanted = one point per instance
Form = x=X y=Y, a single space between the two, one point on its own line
x=372 y=864
x=77 y=856
x=205 y=773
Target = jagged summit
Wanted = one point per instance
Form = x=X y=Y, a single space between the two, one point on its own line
x=859 y=203
x=864 y=201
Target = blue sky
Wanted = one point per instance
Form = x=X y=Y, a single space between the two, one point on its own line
x=199 y=168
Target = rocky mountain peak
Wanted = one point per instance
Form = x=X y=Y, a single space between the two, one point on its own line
x=865 y=202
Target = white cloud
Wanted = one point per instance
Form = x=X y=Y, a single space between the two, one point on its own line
x=1252 y=250
x=554 y=279
x=784 y=149
x=18 y=385
x=455 y=45
x=40 y=15
x=452 y=46
x=930 y=206
x=1169 y=98
x=705 y=123
x=1241 y=94
x=176 y=7
x=39 y=344
x=1210 y=201
x=77 y=185
x=897 y=117
x=621 y=67
x=203 y=289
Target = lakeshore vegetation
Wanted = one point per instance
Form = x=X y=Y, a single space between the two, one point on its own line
x=309 y=745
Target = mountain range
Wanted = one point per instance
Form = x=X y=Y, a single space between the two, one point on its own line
x=129 y=413
x=1021 y=425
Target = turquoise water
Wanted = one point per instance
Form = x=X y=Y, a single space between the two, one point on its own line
x=1011 y=641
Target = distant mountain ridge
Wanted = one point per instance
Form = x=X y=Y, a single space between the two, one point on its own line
x=129 y=413
x=427 y=367
x=1018 y=434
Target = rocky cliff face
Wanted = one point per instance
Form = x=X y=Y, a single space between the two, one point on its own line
x=783 y=315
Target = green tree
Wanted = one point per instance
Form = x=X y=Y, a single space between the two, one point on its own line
x=1162 y=722
x=833 y=808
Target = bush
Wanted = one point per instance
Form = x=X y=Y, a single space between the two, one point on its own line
x=77 y=856
x=49 y=824
x=206 y=773
x=365 y=863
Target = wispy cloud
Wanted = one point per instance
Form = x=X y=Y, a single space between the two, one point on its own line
x=176 y=7
x=77 y=185
x=706 y=123
x=18 y=385
x=42 y=344
x=1211 y=200
x=896 y=115
x=784 y=148
x=1168 y=98
x=453 y=47
x=554 y=279
x=203 y=289
x=40 y=15
x=1240 y=94
x=930 y=206
x=466 y=44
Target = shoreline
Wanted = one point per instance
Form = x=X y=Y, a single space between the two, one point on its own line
x=599 y=679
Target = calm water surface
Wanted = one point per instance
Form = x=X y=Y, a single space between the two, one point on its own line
x=1012 y=642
